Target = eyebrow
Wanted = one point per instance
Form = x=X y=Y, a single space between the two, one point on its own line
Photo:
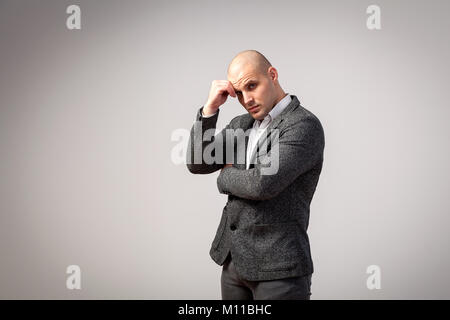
x=246 y=83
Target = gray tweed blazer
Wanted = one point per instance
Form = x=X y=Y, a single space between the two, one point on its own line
x=265 y=220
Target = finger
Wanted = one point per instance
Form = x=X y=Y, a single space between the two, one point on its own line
x=230 y=89
x=223 y=90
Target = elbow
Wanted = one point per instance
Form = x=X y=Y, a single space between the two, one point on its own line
x=191 y=168
x=195 y=168
x=201 y=168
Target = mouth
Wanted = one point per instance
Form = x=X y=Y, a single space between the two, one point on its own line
x=253 y=109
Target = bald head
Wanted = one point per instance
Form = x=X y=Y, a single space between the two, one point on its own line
x=249 y=58
x=255 y=82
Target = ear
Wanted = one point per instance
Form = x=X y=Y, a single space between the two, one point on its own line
x=273 y=73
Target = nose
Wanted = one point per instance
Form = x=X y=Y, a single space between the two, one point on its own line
x=248 y=100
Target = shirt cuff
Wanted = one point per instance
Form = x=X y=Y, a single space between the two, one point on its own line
x=212 y=115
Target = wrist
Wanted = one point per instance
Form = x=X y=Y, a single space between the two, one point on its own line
x=208 y=111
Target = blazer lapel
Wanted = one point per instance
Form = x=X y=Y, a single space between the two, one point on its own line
x=272 y=126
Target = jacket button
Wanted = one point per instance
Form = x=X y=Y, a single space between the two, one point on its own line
x=232 y=227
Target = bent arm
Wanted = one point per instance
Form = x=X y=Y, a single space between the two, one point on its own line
x=195 y=159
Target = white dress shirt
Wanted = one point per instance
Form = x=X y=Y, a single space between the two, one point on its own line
x=259 y=127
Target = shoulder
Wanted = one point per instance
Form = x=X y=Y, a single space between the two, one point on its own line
x=302 y=116
x=302 y=123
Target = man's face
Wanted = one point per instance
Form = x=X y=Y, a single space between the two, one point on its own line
x=255 y=91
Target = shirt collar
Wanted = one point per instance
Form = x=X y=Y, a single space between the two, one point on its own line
x=280 y=106
x=276 y=110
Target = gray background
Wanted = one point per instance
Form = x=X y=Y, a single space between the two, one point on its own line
x=86 y=119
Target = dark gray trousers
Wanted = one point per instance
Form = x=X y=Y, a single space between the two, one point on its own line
x=233 y=287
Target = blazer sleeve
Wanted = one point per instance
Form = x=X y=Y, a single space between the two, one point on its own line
x=300 y=147
x=196 y=145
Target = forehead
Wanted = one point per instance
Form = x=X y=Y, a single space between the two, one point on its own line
x=240 y=77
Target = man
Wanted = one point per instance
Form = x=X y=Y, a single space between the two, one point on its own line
x=261 y=240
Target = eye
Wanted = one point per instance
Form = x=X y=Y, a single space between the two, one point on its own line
x=252 y=86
